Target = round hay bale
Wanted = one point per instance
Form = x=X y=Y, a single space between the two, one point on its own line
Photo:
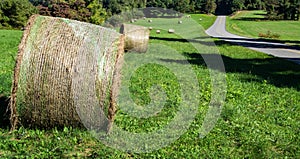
x=150 y=28
x=150 y=21
x=171 y=31
x=65 y=72
x=157 y=31
x=179 y=22
x=136 y=37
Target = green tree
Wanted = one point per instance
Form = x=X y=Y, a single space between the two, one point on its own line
x=192 y=6
x=15 y=13
x=118 y=6
x=199 y=5
x=254 y=4
x=181 y=5
x=210 y=7
x=237 y=5
x=83 y=10
x=283 y=9
x=98 y=13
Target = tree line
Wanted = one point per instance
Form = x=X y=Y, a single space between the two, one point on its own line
x=14 y=13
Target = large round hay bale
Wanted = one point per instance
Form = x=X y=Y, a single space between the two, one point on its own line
x=136 y=37
x=65 y=72
x=171 y=31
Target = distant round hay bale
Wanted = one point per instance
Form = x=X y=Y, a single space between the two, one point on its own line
x=150 y=28
x=179 y=22
x=171 y=31
x=65 y=72
x=136 y=37
x=150 y=21
x=157 y=31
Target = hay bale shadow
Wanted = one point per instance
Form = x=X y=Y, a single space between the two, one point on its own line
x=4 y=112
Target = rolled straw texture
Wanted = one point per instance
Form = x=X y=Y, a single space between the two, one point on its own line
x=66 y=72
x=136 y=37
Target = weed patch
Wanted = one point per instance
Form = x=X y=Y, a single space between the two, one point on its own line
x=269 y=35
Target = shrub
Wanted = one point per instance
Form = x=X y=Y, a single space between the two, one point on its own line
x=117 y=20
x=138 y=14
x=15 y=13
x=269 y=34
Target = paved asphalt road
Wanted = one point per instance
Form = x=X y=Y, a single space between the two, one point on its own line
x=218 y=30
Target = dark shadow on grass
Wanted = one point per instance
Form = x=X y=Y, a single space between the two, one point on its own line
x=256 y=40
x=262 y=14
x=280 y=41
x=169 y=39
x=254 y=43
x=4 y=113
x=195 y=40
x=262 y=43
x=259 y=43
x=250 y=19
x=277 y=71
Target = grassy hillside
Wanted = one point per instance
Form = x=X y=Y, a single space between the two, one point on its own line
x=251 y=23
x=9 y=40
x=259 y=119
x=204 y=20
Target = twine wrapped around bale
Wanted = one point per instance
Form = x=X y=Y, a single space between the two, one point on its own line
x=136 y=37
x=66 y=71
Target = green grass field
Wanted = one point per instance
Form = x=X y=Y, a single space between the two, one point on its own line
x=251 y=23
x=204 y=20
x=259 y=119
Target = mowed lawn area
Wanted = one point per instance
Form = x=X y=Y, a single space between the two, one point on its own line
x=260 y=117
x=251 y=23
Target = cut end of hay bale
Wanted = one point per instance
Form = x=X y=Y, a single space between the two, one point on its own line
x=66 y=72
x=157 y=31
x=171 y=31
x=136 y=37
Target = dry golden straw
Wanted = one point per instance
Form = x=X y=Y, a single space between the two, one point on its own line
x=65 y=72
x=136 y=37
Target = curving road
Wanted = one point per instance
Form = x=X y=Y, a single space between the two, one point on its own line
x=218 y=30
